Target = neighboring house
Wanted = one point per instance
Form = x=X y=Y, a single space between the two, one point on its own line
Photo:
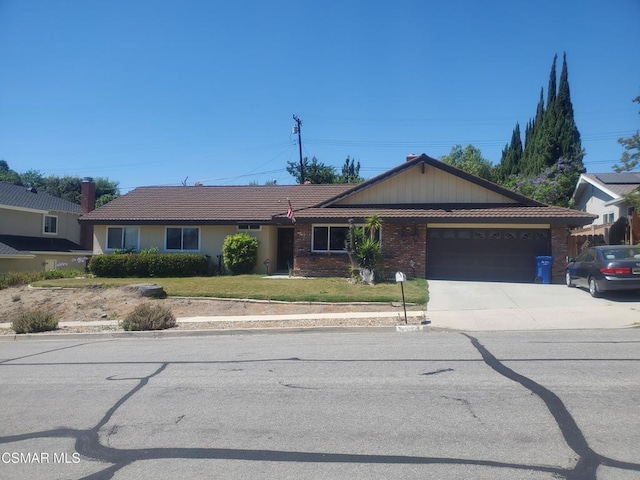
x=603 y=194
x=38 y=231
x=439 y=222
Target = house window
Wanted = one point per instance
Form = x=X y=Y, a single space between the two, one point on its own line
x=329 y=238
x=608 y=218
x=122 y=238
x=50 y=224
x=249 y=226
x=185 y=238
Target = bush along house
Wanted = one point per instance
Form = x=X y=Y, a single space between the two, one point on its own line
x=438 y=222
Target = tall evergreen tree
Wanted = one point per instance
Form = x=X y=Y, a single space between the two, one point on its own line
x=533 y=157
x=511 y=156
x=551 y=89
x=552 y=155
x=568 y=136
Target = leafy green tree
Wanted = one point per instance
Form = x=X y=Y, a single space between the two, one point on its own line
x=631 y=156
x=7 y=175
x=470 y=160
x=314 y=171
x=350 y=172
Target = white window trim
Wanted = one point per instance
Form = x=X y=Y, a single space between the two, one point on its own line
x=166 y=229
x=607 y=216
x=106 y=242
x=44 y=224
x=251 y=227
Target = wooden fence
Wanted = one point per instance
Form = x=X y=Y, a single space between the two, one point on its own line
x=594 y=235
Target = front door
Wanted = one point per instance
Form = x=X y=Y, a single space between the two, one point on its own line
x=285 y=249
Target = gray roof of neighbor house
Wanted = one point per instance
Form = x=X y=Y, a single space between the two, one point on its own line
x=618 y=184
x=21 y=245
x=210 y=204
x=23 y=197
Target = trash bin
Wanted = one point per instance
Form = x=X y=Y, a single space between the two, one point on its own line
x=543 y=269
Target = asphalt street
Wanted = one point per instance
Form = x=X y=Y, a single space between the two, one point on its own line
x=445 y=405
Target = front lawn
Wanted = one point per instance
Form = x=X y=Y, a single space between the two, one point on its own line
x=266 y=288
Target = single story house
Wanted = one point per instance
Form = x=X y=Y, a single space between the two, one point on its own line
x=439 y=222
x=603 y=194
x=40 y=232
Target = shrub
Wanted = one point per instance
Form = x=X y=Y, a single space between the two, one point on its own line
x=61 y=273
x=34 y=320
x=148 y=316
x=17 y=279
x=240 y=253
x=149 y=264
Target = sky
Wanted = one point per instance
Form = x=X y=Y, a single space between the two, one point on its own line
x=168 y=92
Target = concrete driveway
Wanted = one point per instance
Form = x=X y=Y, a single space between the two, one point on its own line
x=478 y=306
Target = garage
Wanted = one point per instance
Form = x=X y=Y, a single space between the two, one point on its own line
x=489 y=254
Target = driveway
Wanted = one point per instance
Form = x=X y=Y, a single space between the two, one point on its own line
x=477 y=306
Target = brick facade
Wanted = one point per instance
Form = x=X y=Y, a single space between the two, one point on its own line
x=401 y=245
x=404 y=249
x=559 y=241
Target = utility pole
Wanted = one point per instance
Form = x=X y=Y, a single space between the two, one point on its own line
x=298 y=123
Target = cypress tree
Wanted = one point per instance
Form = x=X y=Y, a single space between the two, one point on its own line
x=533 y=158
x=568 y=136
x=511 y=156
x=551 y=90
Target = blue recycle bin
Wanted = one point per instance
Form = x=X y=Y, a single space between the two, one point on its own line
x=543 y=269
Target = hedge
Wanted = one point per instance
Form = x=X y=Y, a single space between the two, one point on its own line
x=155 y=265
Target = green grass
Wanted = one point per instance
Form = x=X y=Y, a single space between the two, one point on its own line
x=261 y=288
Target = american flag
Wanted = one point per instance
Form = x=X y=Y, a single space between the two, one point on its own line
x=290 y=214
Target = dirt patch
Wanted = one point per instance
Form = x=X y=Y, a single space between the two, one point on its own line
x=97 y=303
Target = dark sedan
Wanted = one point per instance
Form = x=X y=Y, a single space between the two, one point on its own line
x=612 y=267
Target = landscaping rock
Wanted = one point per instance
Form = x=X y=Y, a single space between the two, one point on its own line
x=149 y=290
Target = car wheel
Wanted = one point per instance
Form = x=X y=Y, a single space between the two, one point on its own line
x=593 y=288
x=567 y=279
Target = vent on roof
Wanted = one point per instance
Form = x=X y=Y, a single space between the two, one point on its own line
x=32 y=190
x=618 y=178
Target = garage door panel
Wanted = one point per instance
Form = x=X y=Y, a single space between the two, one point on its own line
x=485 y=254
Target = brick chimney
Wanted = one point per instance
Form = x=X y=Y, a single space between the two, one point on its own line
x=88 y=203
x=88 y=195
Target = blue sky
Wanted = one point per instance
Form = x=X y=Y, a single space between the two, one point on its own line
x=156 y=92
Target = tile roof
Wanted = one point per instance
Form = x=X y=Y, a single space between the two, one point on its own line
x=21 y=245
x=211 y=204
x=19 y=196
x=468 y=213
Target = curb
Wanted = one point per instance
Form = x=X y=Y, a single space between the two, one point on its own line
x=159 y=334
